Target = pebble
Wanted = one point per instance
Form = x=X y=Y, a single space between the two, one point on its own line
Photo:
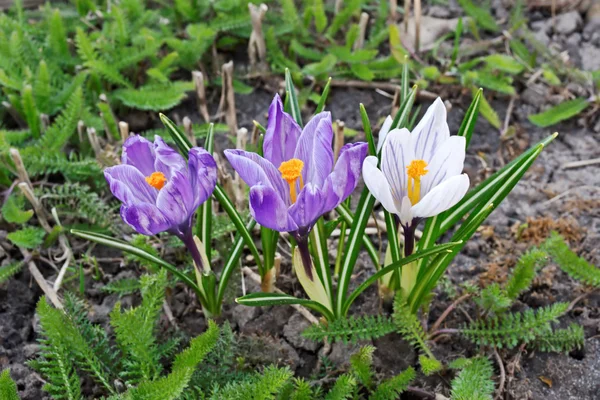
x=292 y=331
x=590 y=57
x=568 y=23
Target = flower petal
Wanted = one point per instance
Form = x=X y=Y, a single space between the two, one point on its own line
x=396 y=156
x=255 y=170
x=385 y=128
x=145 y=218
x=203 y=174
x=345 y=175
x=269 y=209
x=448 y=161
x=127 y=184
x=406 y=214
x=168 y=159
x=378 y=184
x=176 y=199
x=139 y=152
x=430 y=132
x=281 y=136
x=442 y=197
x=308 y=207
x=314 y=149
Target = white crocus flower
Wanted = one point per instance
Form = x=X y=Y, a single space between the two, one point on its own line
x=421 y=171
x=385 y=128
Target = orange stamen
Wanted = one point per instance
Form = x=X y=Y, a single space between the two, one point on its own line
x=415 y=170
x=291 y=170
x=157 y=180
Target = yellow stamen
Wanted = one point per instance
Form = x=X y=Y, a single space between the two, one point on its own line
x=157 y=180
x=291 y=170
x=415 y=171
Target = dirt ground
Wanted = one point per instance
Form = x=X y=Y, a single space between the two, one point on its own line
x=550 y=197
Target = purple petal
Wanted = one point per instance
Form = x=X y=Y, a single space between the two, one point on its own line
x=145 y=218
x=314 y=149
x=139 y=152
x=128 y=184
x=345 y=175
x=282 y=134
x=270 y=210
x=203 y=174
x=167 y=160
x=308 y=207
x=176 y=199
x=255 y=170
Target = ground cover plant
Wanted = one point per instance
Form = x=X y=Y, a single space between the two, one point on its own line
x=362 y=225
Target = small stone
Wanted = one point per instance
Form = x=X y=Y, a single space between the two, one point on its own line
x=574 y=39
x=590 y=57
x=535 y=95
x=439 y=12
x=244 y=314
x=542 y=37
x=292 y=331
x=543 y=26
x=568 y=23
x=341 y=352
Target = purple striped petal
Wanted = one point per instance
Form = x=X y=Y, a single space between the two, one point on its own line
x=176 y=199
x=145 y=218
x=430 y=132
x=270 y=210
x=314 y=149
x=139 y=152
x=167 y=160
x=203 y=174
x=128 y=184
x=345 y=175
x=282 y=134
x=255 y=170
x=308 y=207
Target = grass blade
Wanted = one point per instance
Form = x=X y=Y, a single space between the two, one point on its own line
x=278 y=299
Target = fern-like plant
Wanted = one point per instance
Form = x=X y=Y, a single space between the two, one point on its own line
x=351 y=329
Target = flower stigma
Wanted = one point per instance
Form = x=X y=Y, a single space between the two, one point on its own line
x=157 y=180
x=291 y=170
x=415 y=171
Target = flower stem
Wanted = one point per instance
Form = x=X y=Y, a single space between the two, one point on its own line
x=302 y=243
x=188 y=240
x=409 y=271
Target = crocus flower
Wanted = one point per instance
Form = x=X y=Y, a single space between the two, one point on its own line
x=296 y=181
x=159 y=190
x=420 y=173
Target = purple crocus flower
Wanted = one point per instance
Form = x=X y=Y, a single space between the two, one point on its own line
x=296 y=182
x=160 y=191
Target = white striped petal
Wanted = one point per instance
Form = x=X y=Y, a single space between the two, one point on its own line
x=385 y=128
x=406 y=214
x=430 y=132
x=395 y=157
x=378 y=184
x=442 y=197
x=448 y=161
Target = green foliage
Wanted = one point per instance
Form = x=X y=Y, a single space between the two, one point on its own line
x=122 y=287
x=361 y=363
x=154 y=97
x=474 y=381
x=524 y=272
x=351 y=329
x=494 y=299
x=561 y=112
x=6 y=271
x=29 y=238
x=342 y=389
x=409 y=326
x=509 y=330
x=480 y=15
x=8 y=388
x=561 y=340
x=576 y=267
x=393 y=387
x=263 y=386
x=429 y=366
x=13 y=210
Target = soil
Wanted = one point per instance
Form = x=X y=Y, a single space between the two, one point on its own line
x=549 y=197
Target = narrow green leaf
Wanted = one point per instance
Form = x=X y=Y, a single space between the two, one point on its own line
x=204 y=222
x=480 y=15
x=323 y=98
x=292 y=98
x=561 y=112
x=277 y=299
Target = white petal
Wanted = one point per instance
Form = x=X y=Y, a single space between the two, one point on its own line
x=448 y=161
x=430 y=132
x=378 y=184
x=385 y=128
x=406 y=214
x=442 y=197
x=395 y=157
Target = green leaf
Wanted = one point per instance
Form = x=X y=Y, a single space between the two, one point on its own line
x=124 y=246
x=13 y=210
x=154 y=97
x=488 y=113
x=480 y=15
x=323 y=98
x=561 y=112
x=204 y=219
x=292 y=98
x=8 y=388
x=325 y=66
x=29 y=238
x=361 y=71
x=503 y=62
x=9 y=270
x=277 y=299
